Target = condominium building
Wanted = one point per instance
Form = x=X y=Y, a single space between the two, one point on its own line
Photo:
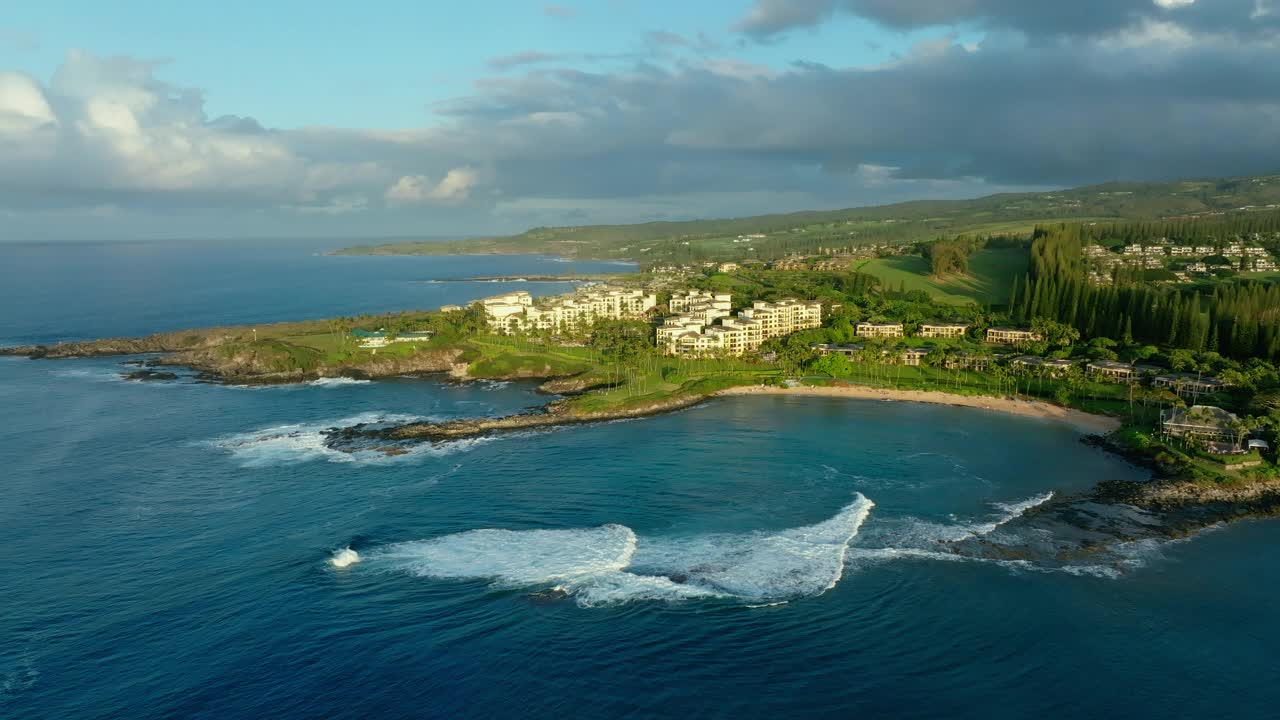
x=942 y=330
x=694 y=334
x=783 y=317
x=879 y=330
x=515 y=313
x=1011 y=336
x=702 y=304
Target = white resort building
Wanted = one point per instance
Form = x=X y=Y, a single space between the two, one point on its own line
x=1011 y=336
x=693 y=332
x=942 y=330
x=879 y=330
x=515 y=312
x=702 y=304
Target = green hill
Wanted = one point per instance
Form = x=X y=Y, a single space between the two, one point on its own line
x=1007 y=213
x=991 y=274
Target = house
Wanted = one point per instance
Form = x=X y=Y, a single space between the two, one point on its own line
x=848 y=350
x=382 y=338
x=914 y=356
x=1203 y=250
x=967 y=361
x=1012 y=336
x=942 y=330
x=450 y=308
x=1052 y=366
x=728 y=267
x=1112 y=370
x=1188 y=383
x=1205 y=423
x=879 y=330
x=1197 y=267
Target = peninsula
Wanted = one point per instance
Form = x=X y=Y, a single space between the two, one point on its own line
x=1080 y=323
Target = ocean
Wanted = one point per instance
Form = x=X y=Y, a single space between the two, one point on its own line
x=188 y=550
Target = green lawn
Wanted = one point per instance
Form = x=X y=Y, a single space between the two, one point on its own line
x=991 y=274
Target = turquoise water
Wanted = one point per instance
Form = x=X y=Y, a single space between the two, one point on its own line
x=169 y=553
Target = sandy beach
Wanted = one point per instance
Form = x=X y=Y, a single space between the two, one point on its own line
x=1082 y=421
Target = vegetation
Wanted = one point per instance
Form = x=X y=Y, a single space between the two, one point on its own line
x=1238 y=319
x=989 y=277
x=901 y=224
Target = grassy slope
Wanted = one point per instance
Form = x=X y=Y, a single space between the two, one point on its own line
x=991 y=274
x=903 y=222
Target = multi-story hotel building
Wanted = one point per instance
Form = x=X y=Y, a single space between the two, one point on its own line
x=515 y=313
x=693 y=334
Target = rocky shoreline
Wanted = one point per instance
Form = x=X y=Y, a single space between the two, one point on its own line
x=1187 y=505
x=557 y=413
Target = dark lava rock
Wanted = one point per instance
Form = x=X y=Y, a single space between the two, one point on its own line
x=150 y=375
x=548 y=596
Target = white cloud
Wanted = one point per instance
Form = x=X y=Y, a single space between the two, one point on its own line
x=1170 y=4
x=23 y=106
x=455 y=188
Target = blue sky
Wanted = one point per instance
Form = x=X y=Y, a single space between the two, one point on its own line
x=383 y=64
x=164 y=119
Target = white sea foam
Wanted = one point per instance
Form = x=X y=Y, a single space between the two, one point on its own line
x=91 y=375
x=610 y=564
x=334 y=382
x=345 y=557
x=305 y=442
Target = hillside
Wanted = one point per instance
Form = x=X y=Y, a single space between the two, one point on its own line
x=900 y=223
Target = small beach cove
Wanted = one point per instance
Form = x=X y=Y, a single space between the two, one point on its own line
x=1084 y=422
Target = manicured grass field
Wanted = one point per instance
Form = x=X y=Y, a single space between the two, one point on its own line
x=991 y=274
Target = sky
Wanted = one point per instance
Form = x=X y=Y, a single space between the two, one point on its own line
x=288 y=119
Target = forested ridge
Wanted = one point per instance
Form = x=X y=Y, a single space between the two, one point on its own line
x=1238 y=318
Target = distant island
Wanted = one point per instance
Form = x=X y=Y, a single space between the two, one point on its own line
x=1159 y=337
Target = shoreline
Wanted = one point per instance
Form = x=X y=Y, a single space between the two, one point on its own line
x=1084 y=422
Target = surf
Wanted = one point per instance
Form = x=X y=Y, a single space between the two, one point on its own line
x=612 y=564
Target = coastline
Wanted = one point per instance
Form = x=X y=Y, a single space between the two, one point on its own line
x=1084 y=422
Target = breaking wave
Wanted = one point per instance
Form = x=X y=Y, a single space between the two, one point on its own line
x=345 y=557
x=305 y=442
x=333 y=382
x=610 y=564
x=103 y=375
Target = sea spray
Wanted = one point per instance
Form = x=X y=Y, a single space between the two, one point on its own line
x=610 y=564
x=345 y=557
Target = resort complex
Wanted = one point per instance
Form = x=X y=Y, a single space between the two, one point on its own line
x=693 y=333
x=515 y=313
x=1012 y=336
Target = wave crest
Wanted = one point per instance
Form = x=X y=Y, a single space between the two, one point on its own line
x=611 y=564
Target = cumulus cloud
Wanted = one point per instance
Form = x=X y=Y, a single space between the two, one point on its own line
x=419 y=190
x=1138 y=89
x=108 y=131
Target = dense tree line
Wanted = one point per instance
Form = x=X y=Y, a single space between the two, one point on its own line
x=1239 y=319
x=948 y=257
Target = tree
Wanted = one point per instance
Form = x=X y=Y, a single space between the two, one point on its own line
x=621 y=341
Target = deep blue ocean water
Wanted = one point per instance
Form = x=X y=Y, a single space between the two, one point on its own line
x=168 y=547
